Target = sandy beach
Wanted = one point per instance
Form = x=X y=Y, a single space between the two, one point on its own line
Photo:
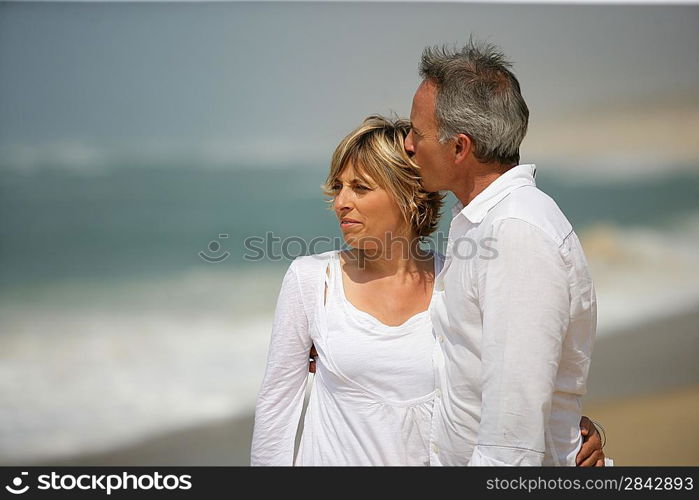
x=658 y=429
x=223 y=443
x=643 y=388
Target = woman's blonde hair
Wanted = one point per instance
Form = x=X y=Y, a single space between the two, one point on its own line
x=375 y=148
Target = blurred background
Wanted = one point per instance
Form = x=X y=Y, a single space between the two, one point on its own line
x=142 y=143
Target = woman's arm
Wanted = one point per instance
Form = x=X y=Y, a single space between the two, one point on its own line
x=280 y=399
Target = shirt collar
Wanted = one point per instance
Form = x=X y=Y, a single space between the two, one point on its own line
x=518 y=176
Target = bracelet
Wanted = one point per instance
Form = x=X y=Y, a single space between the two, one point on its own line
x=601 y=428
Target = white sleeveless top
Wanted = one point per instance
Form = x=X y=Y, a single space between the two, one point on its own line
x=371 y=400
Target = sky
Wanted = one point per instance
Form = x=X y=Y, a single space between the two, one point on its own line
x=275 y=84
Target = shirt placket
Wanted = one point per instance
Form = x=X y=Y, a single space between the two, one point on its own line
x=457 y=229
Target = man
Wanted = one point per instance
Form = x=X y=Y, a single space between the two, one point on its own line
x=515 y=323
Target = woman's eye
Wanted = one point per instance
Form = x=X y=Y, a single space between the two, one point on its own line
x=336 y=187
x=361 y=188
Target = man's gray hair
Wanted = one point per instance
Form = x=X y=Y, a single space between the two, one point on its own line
x=477 y=95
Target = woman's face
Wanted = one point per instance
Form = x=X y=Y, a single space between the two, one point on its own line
x=369 y=216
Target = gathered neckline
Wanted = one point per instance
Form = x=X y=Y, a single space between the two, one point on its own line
x=412 y=319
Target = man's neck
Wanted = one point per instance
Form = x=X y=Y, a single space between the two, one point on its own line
x=479 y=176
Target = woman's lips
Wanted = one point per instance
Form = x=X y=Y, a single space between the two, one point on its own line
x=347 y=223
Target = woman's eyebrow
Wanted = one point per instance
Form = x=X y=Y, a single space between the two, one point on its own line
x=358 y=180
x=355 y=180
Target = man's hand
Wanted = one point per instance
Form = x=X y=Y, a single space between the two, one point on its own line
x=312 y=361
x=590 y=454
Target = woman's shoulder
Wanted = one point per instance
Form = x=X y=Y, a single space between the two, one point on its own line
x=305 y=266
x=309 y=271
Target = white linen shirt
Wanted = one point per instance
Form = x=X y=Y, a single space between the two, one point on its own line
x=514 y=314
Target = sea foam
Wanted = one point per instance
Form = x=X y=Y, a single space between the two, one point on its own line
x=100 y=374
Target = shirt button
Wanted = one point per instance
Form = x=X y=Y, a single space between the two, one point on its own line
x=438 y=392
x=435 y=448
x=440 y=338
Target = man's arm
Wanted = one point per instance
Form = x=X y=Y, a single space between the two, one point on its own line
x=591 y=453
x=525 y=306
x=312 y=359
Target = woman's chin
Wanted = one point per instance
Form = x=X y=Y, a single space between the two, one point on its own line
x=352 y=242
x=365 y=247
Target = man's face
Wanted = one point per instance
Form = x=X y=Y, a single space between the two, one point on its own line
x=422 y=141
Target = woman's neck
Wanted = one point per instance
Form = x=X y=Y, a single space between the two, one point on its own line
x=400 y=257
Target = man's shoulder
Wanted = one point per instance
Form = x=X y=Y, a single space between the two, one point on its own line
x=533 y=206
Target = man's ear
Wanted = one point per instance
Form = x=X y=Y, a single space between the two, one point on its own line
x=463 y=146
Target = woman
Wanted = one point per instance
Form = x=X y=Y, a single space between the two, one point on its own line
x=365 y=311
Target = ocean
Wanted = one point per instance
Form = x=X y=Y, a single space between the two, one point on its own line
x=135 y=300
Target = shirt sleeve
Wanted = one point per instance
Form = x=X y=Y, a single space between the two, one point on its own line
x=525 y=305
x=280 y=399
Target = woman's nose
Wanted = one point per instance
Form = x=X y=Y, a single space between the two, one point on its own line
x=342 y=200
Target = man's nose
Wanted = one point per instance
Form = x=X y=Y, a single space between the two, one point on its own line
x=408 y=144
